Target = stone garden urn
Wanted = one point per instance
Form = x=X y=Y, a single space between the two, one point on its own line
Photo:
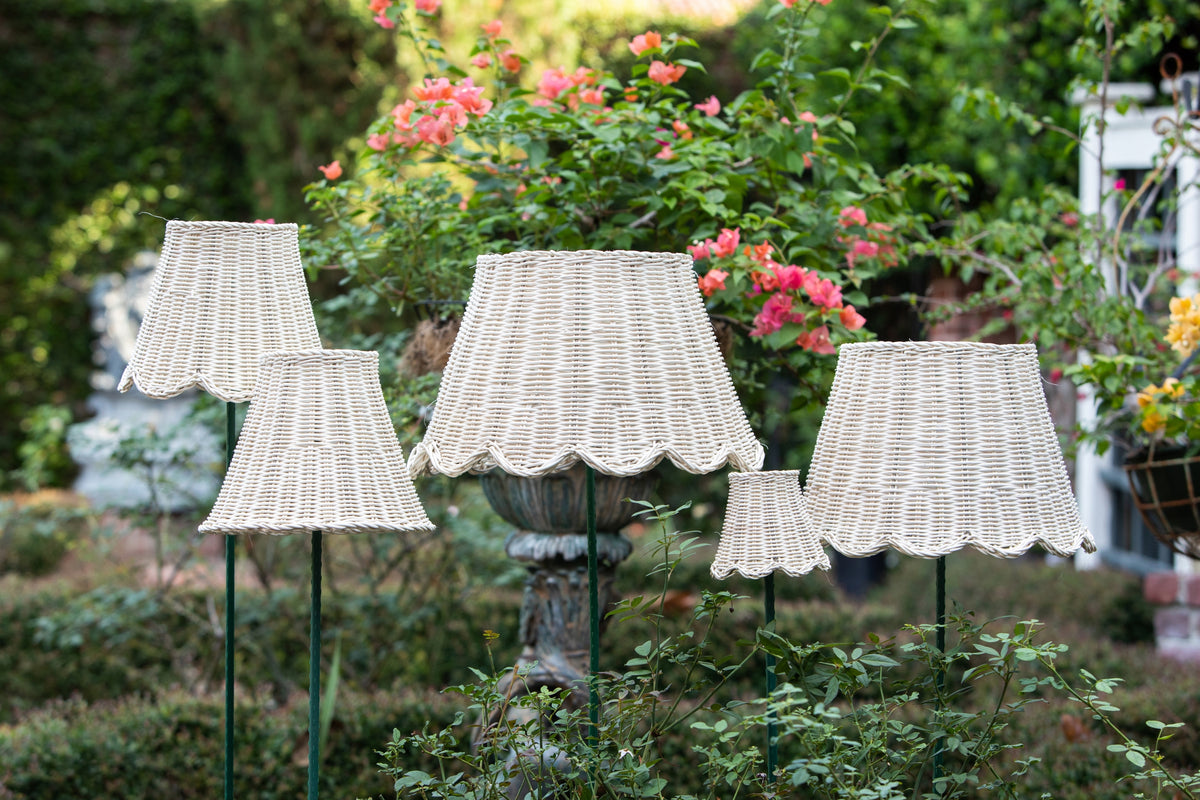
x=550 y=517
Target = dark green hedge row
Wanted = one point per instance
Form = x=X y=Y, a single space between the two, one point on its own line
x=114 y=642
x=173 y=746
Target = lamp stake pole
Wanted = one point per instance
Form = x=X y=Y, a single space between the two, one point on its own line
x=940 y=676
x=314 y=672
x=230 y=556
x=593 y=604
x=772 y=726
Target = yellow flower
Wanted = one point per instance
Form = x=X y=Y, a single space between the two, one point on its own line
x=1184 y=306
x=1172 y=388
x=1153 y=422
x=1148 y=395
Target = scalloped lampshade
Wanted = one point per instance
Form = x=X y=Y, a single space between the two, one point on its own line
x=766 y=528
x=223 y=294
x=602 y=356
x=317 y=453
x=929 y=447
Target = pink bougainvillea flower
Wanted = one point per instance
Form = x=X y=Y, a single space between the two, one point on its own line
x=378 y=141
x=332 y=170
x=436 y=130
x=700 y=250
x=553 y=83
x=402 y=115
x=492 y=29
x=645 y=41
x=711 y=107
x=427 y=6
x=481 y=60
x=666 y=154
x=852 y=215
x=727 y=242
x=824 y=293
x=1119 y=184
x=1070 y=219
x=666 y=74
x=384 y=21
x=817 y=340
x=510 y=60
x=267 y=221
x=776 y=311
x=470 y=98
x=681 y=129
x=713 y=281
x=851 y=318
x=790 y=277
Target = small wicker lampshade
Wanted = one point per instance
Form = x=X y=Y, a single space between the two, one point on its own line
x=605 y=357
x=317 y=452
x=929 y=447
x=766 y=528
x=224 y=293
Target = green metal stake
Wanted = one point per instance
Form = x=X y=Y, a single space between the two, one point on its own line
x=938 y=747
x=772 y=726
x=230 y=557
x=314 y=672
x=593 y=605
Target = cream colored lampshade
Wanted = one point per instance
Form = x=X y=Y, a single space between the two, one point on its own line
x=766 y=528
x=317 y=452
x=928 y=447
x=223 y=294
x=604 y=357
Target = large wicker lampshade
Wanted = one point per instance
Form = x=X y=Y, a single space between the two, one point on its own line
x=929 y=447
x=223 y=294
x=604 y=357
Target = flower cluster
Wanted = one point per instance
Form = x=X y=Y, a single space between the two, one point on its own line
x=797 y=301
x=1172 y=410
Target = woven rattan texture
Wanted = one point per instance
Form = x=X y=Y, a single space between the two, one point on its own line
x=224 y=293
x=766 y=528
x=929 y=447
x=317 y=452
x=605 y=357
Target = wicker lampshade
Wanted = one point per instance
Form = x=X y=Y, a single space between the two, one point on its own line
x=604 y=357
x=317 y=452
x=224 y=293
x=766 y=528
x=928 y=447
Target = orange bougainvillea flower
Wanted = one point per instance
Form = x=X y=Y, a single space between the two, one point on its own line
x=510 y=60
x=681 y=129
x=649 y=40
x=379 y=6
x=332 y=170
x=492 y=29
x=666 y=74
x=427 y=6
x=713 y=281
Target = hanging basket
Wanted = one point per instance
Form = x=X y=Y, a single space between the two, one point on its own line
x=1165 y=481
